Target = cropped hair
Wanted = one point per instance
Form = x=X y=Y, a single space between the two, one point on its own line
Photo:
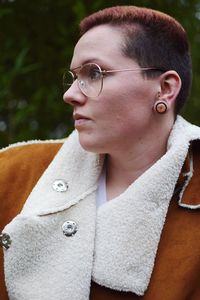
x=152 y=38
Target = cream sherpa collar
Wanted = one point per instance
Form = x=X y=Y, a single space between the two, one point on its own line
x=129 y=227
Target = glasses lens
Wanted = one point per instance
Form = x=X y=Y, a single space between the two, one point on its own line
x=68 y=79
x=90 y=80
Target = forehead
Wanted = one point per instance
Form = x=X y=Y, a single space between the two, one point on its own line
x=103 y=43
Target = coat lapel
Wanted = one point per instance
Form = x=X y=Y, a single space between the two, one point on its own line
x=74 y=168
x=42 y=262
x=129 y=227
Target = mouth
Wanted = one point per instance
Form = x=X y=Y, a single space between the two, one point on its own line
x=80 y=120
x=79 y=117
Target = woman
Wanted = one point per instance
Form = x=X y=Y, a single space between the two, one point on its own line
x=115 y=213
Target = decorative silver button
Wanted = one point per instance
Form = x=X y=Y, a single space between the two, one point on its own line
x=60 y=185
x=5 y=240
x=69 y=228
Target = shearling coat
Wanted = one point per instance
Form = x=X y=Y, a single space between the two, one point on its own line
x=145 y=244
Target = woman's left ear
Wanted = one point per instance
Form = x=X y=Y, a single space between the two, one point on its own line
x=170 y=85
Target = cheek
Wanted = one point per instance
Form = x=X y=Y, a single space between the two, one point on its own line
x=124 y=102
x=120 y=106
x=115 y=118
x=126 y=116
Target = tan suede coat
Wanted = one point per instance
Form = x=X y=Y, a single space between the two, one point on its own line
x=176 y=273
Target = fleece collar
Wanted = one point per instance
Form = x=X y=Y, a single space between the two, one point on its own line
x=78 y=169
x=129 y=227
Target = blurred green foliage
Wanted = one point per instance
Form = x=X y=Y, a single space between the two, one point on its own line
x=36 y=44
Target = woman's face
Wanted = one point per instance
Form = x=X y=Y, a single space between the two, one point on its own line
x=122 y=114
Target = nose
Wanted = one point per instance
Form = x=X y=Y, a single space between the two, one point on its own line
x=74 y=96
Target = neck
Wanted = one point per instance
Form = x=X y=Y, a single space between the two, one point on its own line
x=126 y=164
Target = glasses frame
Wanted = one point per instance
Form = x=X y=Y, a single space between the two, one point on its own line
x=103 y=73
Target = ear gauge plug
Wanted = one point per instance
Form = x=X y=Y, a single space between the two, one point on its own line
x=160 y=107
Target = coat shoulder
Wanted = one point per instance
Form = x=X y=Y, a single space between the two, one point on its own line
x=26 y=149
x=27 y=156
x=21 y=166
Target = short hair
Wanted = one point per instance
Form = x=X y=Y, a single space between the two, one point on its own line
x=152 y=38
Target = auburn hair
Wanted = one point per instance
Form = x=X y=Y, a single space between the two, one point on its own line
x=152 y=38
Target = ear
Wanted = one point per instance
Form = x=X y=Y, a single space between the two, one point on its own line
x=170 y=85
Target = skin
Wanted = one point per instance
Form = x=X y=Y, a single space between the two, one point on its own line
x=121 y=122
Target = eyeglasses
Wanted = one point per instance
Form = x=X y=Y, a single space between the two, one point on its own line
x=90 y=78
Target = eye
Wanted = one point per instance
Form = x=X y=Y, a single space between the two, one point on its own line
x=94 y=73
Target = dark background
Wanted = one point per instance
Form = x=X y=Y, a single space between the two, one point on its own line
x=36 y=43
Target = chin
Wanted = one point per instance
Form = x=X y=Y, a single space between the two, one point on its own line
x=90 y=144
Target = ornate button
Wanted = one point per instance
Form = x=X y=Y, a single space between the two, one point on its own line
x=60 y=185
x=5 y=240
x=69 y=228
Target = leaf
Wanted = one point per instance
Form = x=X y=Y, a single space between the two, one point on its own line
x=20 y=59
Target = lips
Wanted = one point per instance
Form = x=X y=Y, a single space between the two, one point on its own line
x=80 y=120
x=79 y=117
